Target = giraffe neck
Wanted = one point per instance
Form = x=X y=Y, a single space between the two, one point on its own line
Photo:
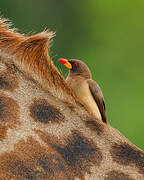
x=40 y=128
x=46 y=136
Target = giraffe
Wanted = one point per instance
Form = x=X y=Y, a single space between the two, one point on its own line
x=46 y=133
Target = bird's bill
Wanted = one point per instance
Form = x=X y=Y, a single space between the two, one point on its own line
x=66 y=63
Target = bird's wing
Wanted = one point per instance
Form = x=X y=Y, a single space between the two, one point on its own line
x=98 y=97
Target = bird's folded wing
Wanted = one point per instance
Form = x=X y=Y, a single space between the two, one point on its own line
x=98 y=97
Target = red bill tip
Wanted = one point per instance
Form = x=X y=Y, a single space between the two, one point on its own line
x=63 y=61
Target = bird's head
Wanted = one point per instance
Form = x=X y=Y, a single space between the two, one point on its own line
x=77 y=68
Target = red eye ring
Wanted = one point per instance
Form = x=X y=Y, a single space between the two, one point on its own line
x=75 y=64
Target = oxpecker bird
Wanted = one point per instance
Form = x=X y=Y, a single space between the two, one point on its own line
x=87 y=90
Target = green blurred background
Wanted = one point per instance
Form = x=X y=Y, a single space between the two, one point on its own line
x=109 y=36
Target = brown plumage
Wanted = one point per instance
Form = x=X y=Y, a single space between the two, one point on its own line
x=87 y=90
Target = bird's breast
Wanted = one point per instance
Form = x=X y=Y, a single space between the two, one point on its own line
x=82 y=91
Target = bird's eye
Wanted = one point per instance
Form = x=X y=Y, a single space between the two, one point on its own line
x=75 y=64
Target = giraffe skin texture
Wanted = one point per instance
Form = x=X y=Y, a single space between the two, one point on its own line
x=45 y=132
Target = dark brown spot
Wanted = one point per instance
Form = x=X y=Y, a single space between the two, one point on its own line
x=31 y=161
x=117 y=175
x=9 y=111
x=79 y=153
x=20 y=169
x=3 y=82
x=127 y=155
x=43 y=112
x=51 y=164
x=8 y=80
x=94 y=125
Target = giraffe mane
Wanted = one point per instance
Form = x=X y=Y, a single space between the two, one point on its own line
x=30 y=55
